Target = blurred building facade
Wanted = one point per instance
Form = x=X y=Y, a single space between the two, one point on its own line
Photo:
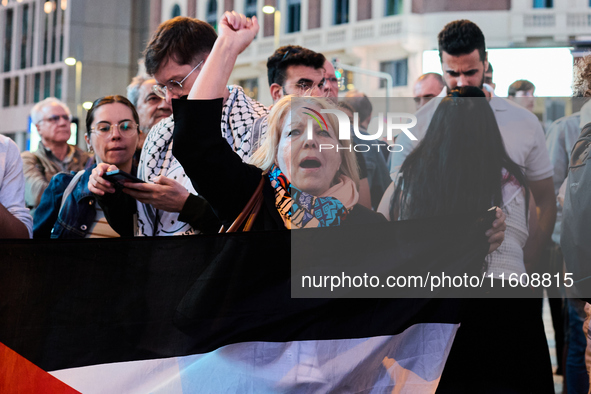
x=388 y=35
x=107 y=37
x=381 y=35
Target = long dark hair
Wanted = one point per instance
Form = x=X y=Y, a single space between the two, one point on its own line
x=110 y=100
x=458 y=166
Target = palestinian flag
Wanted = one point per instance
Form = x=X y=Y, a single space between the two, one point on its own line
x=215 y=314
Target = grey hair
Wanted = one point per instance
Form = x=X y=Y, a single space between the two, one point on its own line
x=133 y=90
x=37 y=116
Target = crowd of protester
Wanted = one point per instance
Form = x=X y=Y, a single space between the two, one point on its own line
x=200 y=160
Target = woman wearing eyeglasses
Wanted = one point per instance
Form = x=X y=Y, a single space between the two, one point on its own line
x=112 y=132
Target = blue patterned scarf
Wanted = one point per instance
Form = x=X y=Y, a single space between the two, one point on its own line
x=300 y=209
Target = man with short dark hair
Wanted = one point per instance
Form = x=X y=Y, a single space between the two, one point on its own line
x=426 y=87
x=464 y=61
x=292 y=69
x=522 y=92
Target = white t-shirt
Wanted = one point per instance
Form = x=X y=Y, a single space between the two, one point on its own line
x=12 y=182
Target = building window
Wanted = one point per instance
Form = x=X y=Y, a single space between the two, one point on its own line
x=15 y=91
x=37 y=88
x=398 y=69
x=543 y=3
x=6 y=91
x=294 y=16
x=47 y=84
x=45 y=38
x=251 y=87
x=212 y=13
x=341 y=12
x=176 y=11
x=250 y=8
x=32 y=34
x=24 y=36
x=58 y=83
x=8 y=39
x=393 y=7
x=26 y=95
x=54 y=36
x=62 y=24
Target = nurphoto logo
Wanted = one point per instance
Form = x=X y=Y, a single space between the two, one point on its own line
x=393 y=122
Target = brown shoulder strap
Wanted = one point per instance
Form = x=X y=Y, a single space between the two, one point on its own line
x=250 y=211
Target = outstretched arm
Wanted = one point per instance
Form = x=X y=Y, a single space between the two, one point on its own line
x=216 y=172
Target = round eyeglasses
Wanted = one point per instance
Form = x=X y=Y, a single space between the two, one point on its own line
x=175 y=88
x=126 y=128
x=57 y=118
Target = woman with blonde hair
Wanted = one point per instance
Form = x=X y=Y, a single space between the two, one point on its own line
x=308 y=182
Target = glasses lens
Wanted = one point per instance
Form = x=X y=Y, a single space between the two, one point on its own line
x=174 y=88
x=126 y=128
x=56 y=118
x=159 y=90
x=103 y=128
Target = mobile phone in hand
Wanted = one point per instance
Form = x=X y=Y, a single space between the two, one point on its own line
x=120 y=177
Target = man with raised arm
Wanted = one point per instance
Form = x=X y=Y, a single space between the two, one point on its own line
x=175 y=56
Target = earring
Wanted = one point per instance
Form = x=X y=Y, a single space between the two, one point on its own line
x=90 y=148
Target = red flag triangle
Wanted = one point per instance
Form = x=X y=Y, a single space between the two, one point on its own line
x=19 y=375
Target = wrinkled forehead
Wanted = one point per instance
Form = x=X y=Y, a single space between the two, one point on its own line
x=55 y=109
x=146 y=87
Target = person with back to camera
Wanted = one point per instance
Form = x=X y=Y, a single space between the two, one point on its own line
x=461 y=166
x=112 y=125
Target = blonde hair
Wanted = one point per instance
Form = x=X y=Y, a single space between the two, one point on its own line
x=266 y=155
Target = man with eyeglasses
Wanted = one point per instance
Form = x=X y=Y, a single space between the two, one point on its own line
x=175 y=56
x=150 y=107
x=292 y=69
x=332 y=82
x=52 y=119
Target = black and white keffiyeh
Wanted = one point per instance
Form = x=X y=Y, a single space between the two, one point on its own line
x=238 y=115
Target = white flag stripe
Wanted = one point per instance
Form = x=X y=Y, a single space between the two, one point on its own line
x=410 y=362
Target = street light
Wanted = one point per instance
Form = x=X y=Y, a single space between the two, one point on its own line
x=269 y=9
x=48 y=7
